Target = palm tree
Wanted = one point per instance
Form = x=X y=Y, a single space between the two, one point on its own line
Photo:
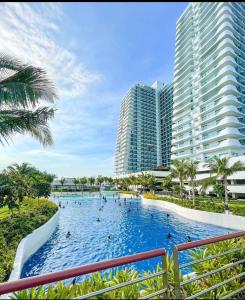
x=179 y=171
x=220 y=167
x=83 y=181
x=91 y=180
x=206 y=182
x=22 y=87
x=76 y=182
x=192 y=166
x=62 y=182
x=167 y=183
x=99 y=180
x=23 y=169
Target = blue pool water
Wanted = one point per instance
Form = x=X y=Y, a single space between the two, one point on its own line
x=141 y=229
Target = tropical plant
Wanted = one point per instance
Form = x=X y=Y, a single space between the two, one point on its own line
x=99 y=180
x=178 y=169
x=216 y=263
x=76 y=181
x=13 y=228
x=22 y=87
x=192 y=166
x=205 y=183
x=222 y=169
x=167 y=183
x=91 y=181
x=83 y=181
x=62 y=182
x=218 y=189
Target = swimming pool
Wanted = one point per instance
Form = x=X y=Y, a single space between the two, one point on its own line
x=117 y=230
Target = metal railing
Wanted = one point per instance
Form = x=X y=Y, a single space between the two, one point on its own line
x=187 y=246
x=35 y=281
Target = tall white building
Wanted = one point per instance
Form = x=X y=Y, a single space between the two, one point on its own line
x=144 y=131
x=209 y=81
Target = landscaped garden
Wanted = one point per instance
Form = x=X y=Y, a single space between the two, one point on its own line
x=204 y=203
x=14 y=226
x=23 y=208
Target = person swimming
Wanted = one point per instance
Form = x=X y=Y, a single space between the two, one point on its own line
x=109 y=237
x=98 y=220
x=188 y=239
x=168 y=215
x=68 y=234
x=129 y=210
x=169 y=235
x=152 y=215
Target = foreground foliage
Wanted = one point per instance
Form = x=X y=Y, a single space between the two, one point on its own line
x=13 y=228
x=97 y=281
x=23 y=88
x=205 y=204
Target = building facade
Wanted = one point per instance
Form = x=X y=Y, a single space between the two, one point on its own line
x=136 y=147
x=144 y=131
x=209 y=81
x=165 y=111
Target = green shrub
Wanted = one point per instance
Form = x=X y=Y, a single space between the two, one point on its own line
x=213 y=264
x=203 y=203
x=33 y=213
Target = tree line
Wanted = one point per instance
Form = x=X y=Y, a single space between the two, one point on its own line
x=20 y=180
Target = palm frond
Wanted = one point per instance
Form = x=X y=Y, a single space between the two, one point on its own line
x=26 y=87
x=8 y=64
x=26 y=121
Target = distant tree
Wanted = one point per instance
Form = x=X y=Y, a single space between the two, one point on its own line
x=99 y=180
x=192 y=166
x=219 y=190
x=62 y=182
x=83 y=181
x=167 y=183
x=179 y=171
x=91 y=180
x=76 y=181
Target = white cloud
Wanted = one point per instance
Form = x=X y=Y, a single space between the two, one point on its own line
x=44 y=153
x=28 y=31
x=82 y=127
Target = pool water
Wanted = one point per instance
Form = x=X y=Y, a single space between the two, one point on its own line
x=132 y=227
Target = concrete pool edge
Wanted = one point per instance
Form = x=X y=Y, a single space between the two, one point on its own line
x=31 y=243
x=218 y=219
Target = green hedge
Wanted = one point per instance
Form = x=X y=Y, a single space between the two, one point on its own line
x=211 y=205
x=128 y=192
x=13 y=228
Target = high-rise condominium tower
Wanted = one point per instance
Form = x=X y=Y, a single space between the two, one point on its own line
x=165 y=110
x=138 y=146
x=209 y=81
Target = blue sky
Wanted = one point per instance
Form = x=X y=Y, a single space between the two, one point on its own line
x=93 y=52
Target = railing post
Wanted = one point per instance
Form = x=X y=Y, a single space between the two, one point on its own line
x=165 y=275
x=176 y=274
